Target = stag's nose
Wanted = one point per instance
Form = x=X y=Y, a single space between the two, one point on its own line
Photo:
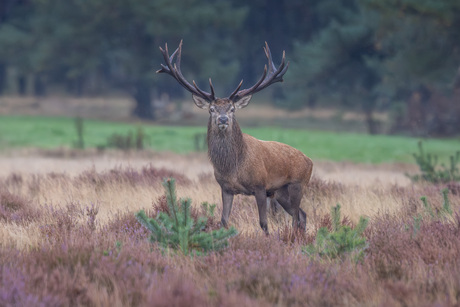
x=223 y=120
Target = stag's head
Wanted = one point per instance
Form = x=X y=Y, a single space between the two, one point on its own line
x=222 y=110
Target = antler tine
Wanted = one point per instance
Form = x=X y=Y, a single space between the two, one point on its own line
x=172 y=69
x=167 y=60
x=236 y=90
x=253 y=88
x=202 y=93
x=176 y=73
x=276 y=73
x=268 y=54
x=271 y=75
x=212 y=89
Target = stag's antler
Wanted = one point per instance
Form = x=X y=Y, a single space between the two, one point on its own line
x=268 y=78
x=174 y=70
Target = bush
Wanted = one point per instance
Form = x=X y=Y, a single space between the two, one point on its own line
x=445 y=210
x=430 y=172
x=444 y=213
x=341 y=241
x=177 y=228
x=128 y=141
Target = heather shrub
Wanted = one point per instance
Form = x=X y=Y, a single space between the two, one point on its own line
x=293 y=236
x=76 y=253
x=320 y=188
x=341 y=241
x=454 y=187
x=91 y=213
x=63 y=221
x=13 y=180
x=177 y=229
x=266 y=269
x=125 y=225
x=10 y=202
x=14 y=208
x=398 y=245
x=148 y=176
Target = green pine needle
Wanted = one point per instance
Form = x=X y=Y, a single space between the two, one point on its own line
x=179 y=231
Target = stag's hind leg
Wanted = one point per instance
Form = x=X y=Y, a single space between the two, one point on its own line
x=272 y=205
x=289 y=198
x=261 y=199
x=295 y=196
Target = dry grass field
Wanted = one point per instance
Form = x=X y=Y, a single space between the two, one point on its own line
x=51 y=181
x=68 y=237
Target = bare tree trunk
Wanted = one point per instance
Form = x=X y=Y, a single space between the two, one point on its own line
x=22 y=85
x=142 y=96
x=368 y=108
x=39 y=86
x=371 y=123
x=2 y=77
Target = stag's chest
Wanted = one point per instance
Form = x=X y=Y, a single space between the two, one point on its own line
x=234 y=184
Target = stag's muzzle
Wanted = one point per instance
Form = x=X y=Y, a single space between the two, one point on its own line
x=222 y=122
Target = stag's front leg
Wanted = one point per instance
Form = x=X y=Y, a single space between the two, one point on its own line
x=261 y=199
x=227 y=201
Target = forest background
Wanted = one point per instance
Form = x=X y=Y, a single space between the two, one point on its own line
x=398 y=57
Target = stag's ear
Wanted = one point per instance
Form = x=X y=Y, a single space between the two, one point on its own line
x=243 y=102
x=200 y=102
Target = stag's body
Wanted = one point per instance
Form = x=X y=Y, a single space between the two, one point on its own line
x=279 y=165
x=266 y=164
x=243 y=164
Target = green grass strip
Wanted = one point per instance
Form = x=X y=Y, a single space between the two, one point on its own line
x=54 y=132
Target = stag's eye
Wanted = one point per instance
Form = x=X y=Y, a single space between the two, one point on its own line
x=232 y=109
x=212 y=109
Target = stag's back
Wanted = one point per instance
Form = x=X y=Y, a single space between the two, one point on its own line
x=273 y=164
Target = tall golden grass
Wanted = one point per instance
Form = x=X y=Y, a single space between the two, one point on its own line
x=104 y=181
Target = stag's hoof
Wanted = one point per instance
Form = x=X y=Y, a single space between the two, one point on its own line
x=223 y=224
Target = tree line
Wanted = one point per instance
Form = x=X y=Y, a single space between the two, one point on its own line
x=402 y=56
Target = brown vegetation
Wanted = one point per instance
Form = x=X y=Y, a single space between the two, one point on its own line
x=70 y=238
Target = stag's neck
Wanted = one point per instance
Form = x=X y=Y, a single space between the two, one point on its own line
x=226 y=149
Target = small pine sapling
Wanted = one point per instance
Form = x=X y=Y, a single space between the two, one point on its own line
x=341 y=241
x=427 y=206
x=446 y=209
x=177 y=229
x=446 y=204
x=208 y=208
x=431 y=172
x=436 y=214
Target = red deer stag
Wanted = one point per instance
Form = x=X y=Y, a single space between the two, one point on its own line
x=243 y=164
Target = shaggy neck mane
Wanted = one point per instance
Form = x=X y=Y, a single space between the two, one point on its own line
x=225 y=148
